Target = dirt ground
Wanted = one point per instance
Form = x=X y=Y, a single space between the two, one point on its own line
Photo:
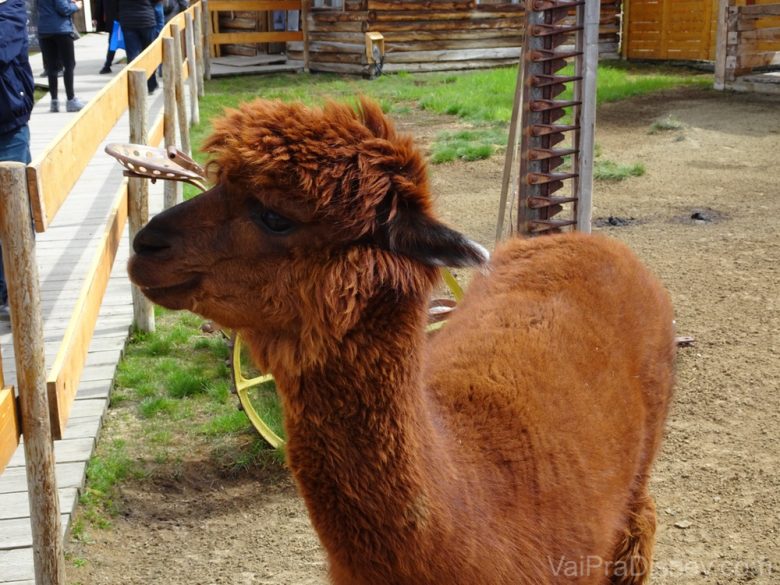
x=717 y=482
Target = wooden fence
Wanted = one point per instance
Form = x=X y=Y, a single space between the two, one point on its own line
x=45 y=398
x=749 y=38
x=421 y=35
x=243 y=13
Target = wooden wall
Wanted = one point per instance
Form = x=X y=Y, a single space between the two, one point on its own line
x=427 y=35
x=683 y=30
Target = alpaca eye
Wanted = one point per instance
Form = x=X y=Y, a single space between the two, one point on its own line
x=275 y=223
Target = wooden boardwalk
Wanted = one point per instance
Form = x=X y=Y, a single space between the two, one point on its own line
x=64 y=253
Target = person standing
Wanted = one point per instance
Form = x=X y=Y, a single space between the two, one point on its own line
x=105 y=15
x=55 y=34
x=138 y=21
x=16 y=96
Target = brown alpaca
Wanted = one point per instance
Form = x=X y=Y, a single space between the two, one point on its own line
x=513 y=447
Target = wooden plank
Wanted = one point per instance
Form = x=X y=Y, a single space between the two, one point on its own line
x=765 y=34
x=53 y=173
x=253 y=5
x=16 y=533
x=69 y=475
x=255 y=37
x=17 y=505
x=764 y=59
x=69 y=451
x=62 y=381
x=9 y=427
x=17 y=565
x=452 y=55
x=757 y=11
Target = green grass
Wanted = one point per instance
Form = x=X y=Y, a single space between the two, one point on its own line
x=667 y=124
x=607 y=170
x=480 y=98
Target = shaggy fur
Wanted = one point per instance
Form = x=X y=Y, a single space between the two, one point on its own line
x=513 y=447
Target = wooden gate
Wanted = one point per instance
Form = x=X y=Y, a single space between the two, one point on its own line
x=669 y=29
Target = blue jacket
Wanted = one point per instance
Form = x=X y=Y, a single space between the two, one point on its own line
x=16 y=78
x=54 y=17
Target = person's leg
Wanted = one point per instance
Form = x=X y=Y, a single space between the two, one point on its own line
x=133 y=42
x=109 y=54
x=50 y=61
x=68 y=57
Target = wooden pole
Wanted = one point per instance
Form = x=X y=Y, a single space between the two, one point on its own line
x=511 y=150
x=172 y=189
x=206 y=21
x=721 y=43
x=24 y=299
x=588 y=16
x=305 y=28
x=198 y=22
x=192 y=63
x=181 y=107
x=138 y=191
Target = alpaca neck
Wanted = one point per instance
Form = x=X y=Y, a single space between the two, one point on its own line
x=362 y=441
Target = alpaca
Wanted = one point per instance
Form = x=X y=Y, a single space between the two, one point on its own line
x=512 y=447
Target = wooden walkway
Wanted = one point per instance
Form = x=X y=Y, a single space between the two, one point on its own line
x=64 y=254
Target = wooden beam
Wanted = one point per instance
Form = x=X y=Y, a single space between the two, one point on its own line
x=53 y=173
x=253 y=5
x=63 y=379
x=9 y=426
x=172 y=189
x=757 y=11
x=138 y=194
x=255 y=37
x=24 y=299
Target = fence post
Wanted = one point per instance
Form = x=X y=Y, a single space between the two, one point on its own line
x=588 y=16
x=198 y=21
x=721 y=43
x=138 y=191
x=172 y=189
x=206 y=39
x=181 y=108
x=24 y=296
x=305 y=29
x=192 y=64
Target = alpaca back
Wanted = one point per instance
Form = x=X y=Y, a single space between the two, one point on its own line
x=555 y=375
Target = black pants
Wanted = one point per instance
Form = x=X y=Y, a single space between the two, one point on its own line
x=58 y=50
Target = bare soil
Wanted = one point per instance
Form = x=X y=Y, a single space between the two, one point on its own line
x=705 y=218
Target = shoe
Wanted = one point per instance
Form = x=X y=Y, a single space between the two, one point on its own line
x=5 y=314
x=74 y=105
x=106 y=69
x=55 y=106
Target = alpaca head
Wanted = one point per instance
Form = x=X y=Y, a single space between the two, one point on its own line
x=313 y=213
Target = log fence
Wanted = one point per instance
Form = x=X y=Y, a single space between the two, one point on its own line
x=38 y=408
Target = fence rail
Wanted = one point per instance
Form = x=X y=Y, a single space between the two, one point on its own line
x=45 y=399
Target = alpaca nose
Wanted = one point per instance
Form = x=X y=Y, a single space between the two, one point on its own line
x=149 y=242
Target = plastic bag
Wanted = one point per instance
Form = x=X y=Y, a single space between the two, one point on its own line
x=117 y=38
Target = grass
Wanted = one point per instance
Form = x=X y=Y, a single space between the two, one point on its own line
x=607 y=170
x=667 y=124
x=482 y=99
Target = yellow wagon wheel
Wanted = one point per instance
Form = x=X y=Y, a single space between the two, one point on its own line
x=249 y=389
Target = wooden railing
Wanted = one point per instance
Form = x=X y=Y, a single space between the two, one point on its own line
x=748 y=38
x=215 y=38
x=37 y=192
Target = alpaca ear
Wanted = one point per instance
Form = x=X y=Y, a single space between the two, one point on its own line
x=431 y=242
